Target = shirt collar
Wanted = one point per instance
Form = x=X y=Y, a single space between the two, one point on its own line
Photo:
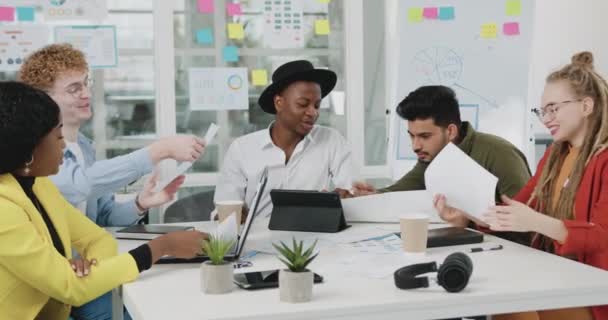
x=80 y=140
x=266 y=140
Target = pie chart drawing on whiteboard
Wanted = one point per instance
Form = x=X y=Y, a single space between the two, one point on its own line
x=438 y=65
x=443 y=66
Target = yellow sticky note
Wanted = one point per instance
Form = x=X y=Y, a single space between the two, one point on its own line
x=325 y=1
x=259 y=77
x=322 y=27
x=235 y=31
x=415 y=14
x=489 y=31
x=513 y=7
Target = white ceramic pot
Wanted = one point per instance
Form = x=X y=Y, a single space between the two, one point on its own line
x=295 y=286
x=216 y=279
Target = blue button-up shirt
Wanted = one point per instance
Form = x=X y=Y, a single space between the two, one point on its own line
x=97 y=181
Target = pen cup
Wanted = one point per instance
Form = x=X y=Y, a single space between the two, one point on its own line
x=414 y=232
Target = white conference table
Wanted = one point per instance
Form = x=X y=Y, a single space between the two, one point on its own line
x=516 y=278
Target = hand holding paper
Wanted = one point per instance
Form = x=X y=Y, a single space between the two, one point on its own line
x=184 y=166
x=465 y=184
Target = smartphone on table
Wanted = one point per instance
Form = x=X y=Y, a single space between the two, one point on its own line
x=263 y=279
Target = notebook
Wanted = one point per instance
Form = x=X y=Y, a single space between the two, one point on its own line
x=147 y=232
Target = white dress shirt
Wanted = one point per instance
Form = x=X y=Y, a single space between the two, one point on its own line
x=321 y=161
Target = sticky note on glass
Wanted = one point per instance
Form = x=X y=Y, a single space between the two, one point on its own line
x=7 y=14
x=414 y=14
x=205 y=6
x=510 y=28
x=446 y=13
x=513 y=7
x=235 y=31
x=25 y=13
x=204 y=36
x=488 y=31
x=430 y=13
x=233 y=9
x=322 y=27
x=231 y=54
x=259 y=77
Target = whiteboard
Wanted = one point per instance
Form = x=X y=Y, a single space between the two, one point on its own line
x=460 y=51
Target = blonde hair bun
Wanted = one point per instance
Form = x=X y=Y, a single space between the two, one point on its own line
x=583 y=59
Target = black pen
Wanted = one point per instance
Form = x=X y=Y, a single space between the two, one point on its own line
x=478 y=249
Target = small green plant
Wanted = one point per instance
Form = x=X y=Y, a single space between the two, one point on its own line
x=296 y=258
x=216 y=248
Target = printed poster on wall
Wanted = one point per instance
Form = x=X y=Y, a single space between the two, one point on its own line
x=218 y=88
x=17 y=42
x=75 y=10
x=97 y=42
x=283 y=21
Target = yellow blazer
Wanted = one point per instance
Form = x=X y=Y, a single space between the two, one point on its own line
x=36 y=281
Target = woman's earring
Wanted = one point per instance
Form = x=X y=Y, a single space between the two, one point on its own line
x=27 y=169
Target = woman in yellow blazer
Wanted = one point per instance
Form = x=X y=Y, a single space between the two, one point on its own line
x=39 y=228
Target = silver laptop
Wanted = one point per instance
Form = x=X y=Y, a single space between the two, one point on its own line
x=238 y=249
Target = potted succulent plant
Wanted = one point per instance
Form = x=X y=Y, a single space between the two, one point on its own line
x=216 y=273
x=295 y=282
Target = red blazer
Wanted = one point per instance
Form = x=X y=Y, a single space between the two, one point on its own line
x=588 y=231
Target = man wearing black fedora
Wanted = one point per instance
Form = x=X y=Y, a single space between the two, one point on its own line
x=298 y=153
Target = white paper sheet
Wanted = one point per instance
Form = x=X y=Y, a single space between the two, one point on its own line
x=218 y=88
x=18 y=42
x=466 y=185
x=283 y=22
x=354 y=262
x=389 y=206
x=97 y=42
x=184 y=166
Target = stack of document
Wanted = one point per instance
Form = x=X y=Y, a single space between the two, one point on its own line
x=465 y=184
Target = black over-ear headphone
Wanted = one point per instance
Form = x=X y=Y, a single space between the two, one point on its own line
x=453 y=275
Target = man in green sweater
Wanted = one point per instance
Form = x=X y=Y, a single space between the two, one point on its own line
x=433 y=117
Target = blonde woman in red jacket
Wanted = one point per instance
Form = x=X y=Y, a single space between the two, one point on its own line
x=566 y=202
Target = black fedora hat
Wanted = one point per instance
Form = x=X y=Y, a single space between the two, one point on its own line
x=290 y=72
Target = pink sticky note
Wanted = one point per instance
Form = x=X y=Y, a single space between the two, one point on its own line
x=430 y=13
x=234 y=9
x=511 y=28
x=7 y=14
x=205 y=6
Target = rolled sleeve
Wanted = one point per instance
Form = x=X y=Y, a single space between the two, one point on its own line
x=114 y=214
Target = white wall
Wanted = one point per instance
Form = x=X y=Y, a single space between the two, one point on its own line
x=561 y=29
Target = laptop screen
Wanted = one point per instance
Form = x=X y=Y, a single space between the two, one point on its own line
x=253 y=210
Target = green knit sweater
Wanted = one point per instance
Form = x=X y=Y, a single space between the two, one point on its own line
x=495 y=154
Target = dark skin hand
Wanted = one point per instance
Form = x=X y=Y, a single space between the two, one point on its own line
x=180 y=244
